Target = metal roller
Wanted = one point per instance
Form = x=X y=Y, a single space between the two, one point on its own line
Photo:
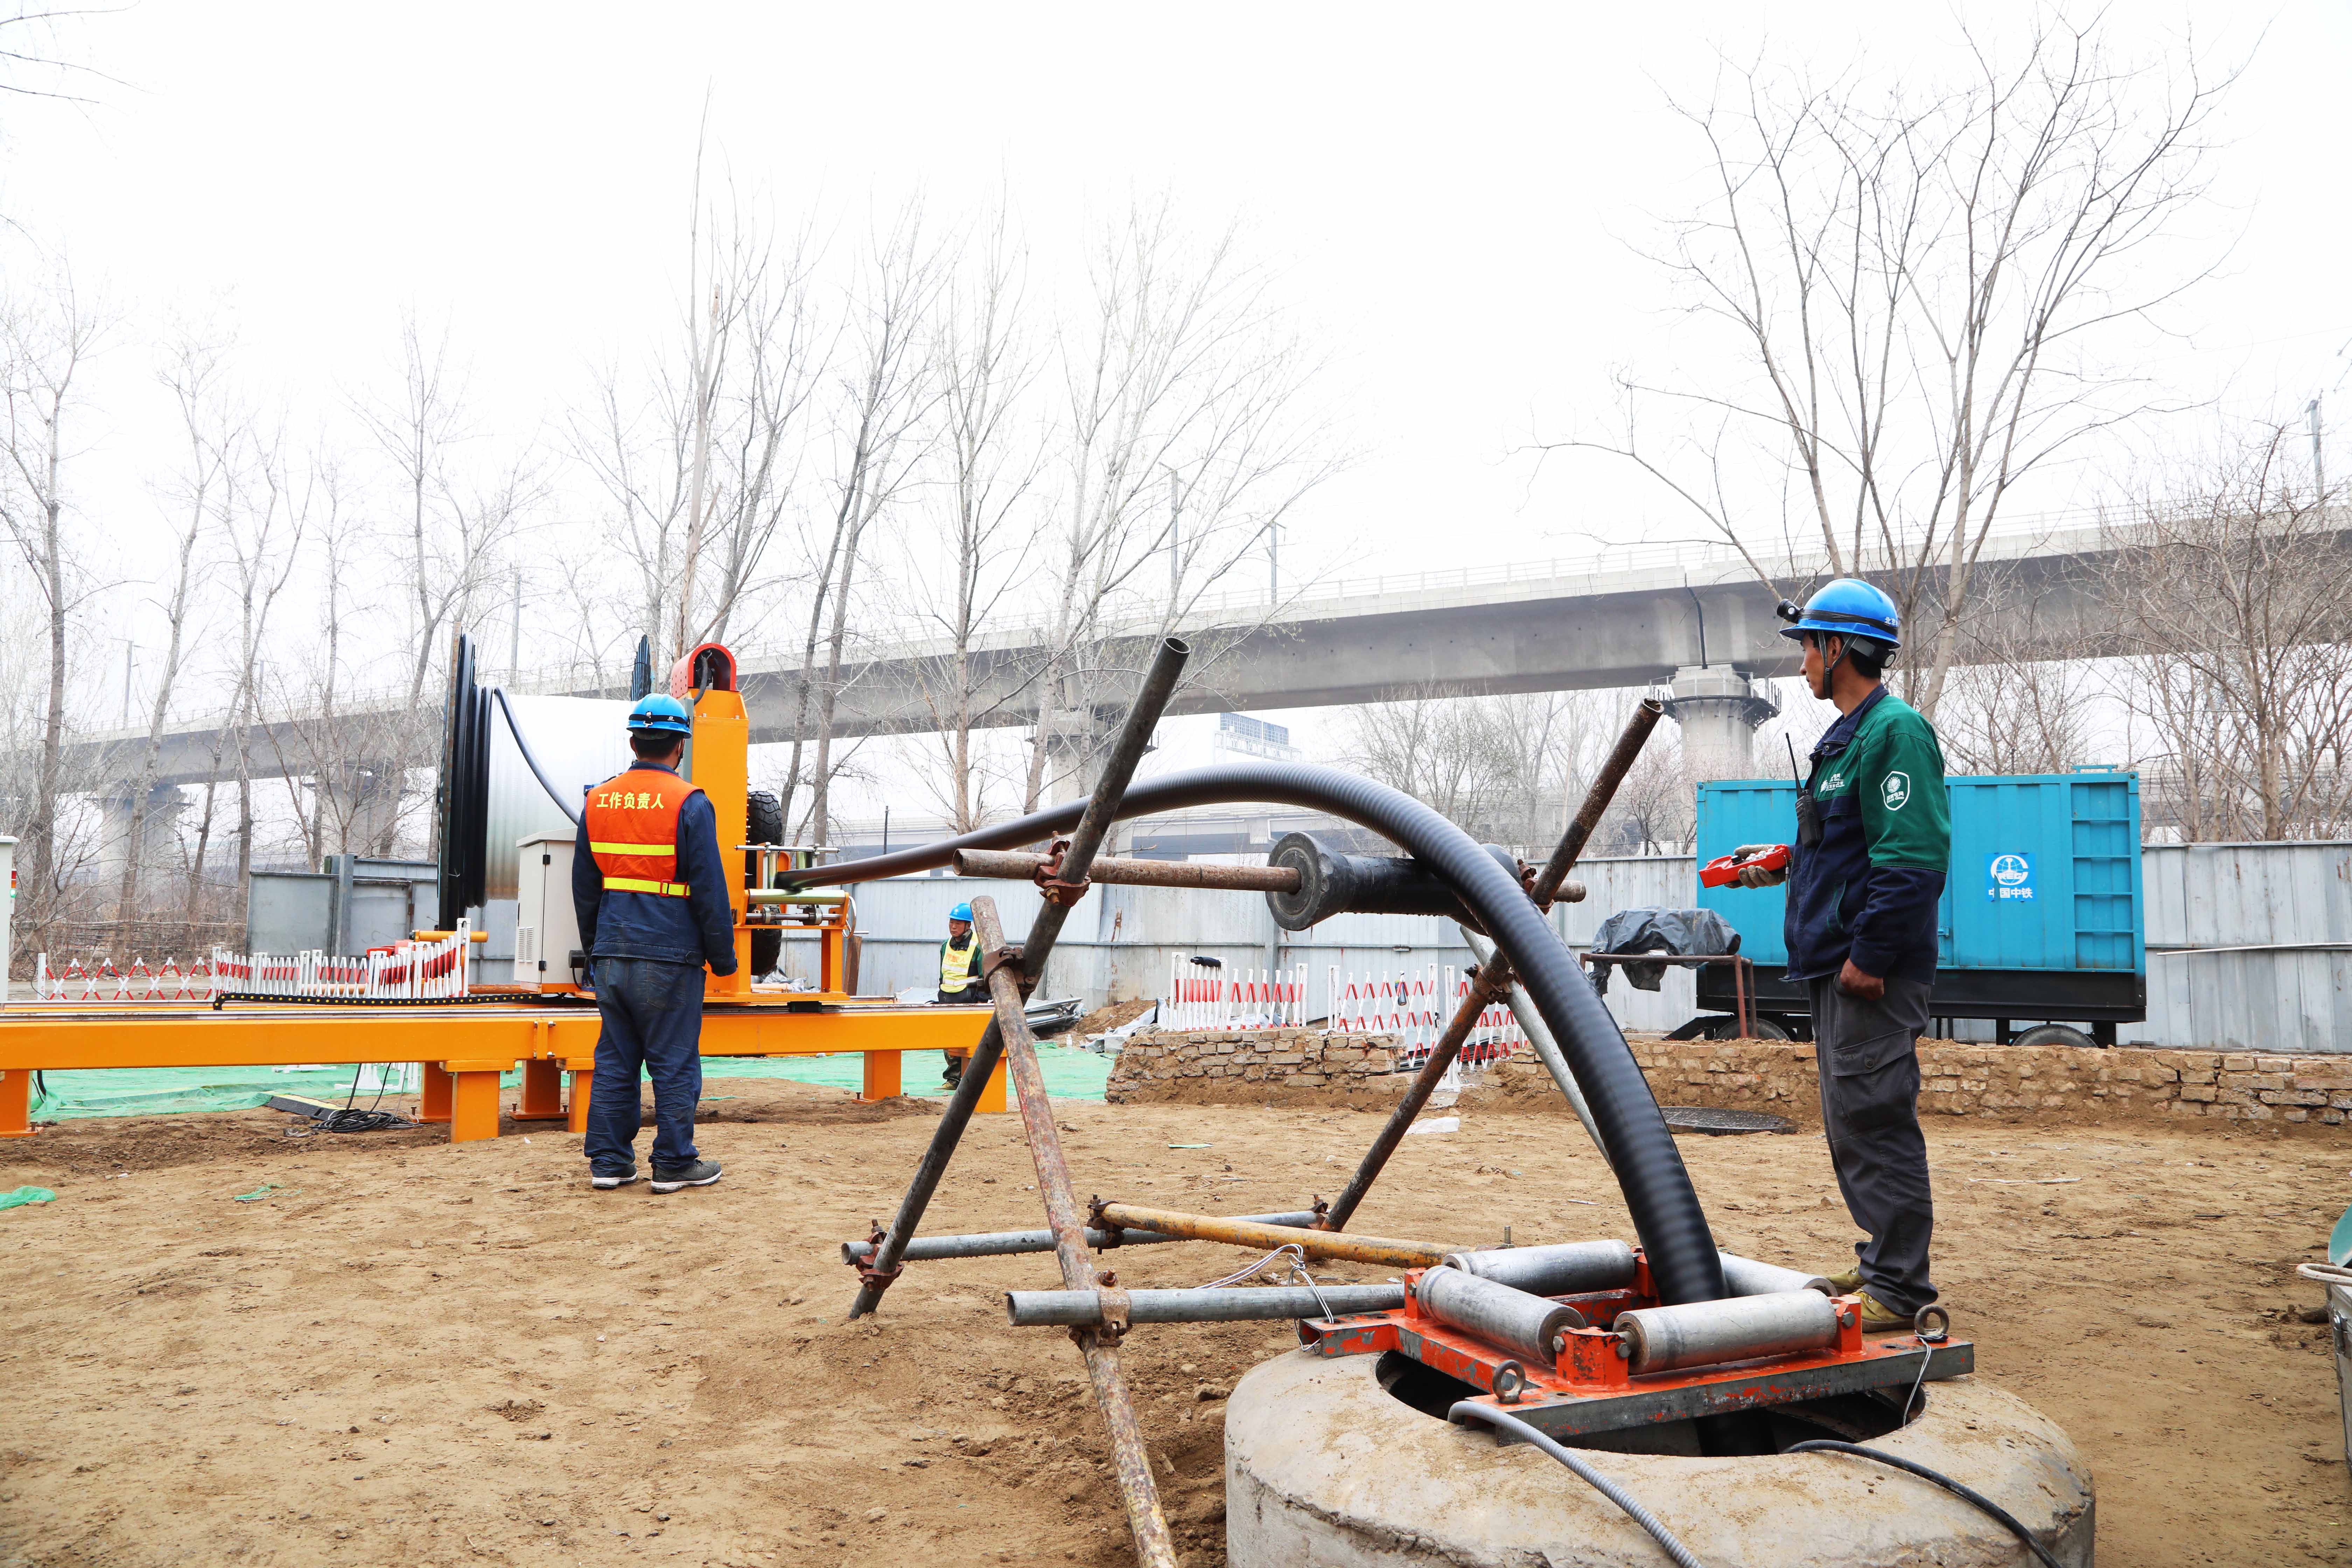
x=1497 y=1313
x=1084 y=1309
x=1745 y=1276
x=1705 y=1333
x=1565 y=1268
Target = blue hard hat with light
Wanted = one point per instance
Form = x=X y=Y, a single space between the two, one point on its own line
x=1848 y=607
x=663 y=714
x=961 y=912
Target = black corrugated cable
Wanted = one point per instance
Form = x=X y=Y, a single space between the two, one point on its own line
x=1470 y=1410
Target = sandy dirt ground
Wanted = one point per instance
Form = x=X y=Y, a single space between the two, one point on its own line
x=409 y=1353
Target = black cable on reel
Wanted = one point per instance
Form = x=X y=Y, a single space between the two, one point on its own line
x=461 y=806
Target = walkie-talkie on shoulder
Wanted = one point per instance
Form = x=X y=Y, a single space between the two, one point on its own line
x=1808 y=811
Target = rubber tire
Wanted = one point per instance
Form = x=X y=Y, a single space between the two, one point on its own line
x=764 y=824
x=2056 y=1035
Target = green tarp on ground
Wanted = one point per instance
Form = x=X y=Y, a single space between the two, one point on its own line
x=1070 y=1074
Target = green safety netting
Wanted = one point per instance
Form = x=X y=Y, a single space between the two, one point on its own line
x=1070 y=1074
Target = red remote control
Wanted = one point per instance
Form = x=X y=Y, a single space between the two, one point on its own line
x=1724 y=870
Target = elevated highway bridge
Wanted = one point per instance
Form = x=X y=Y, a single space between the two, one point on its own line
x=1546 y=626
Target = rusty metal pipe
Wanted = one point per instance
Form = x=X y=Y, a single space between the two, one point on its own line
x=1596 y=800
x=1085 y=838
x=1155 y=1545
x=1012 y=866
x=1385 y=1250
x=1494 y=979
x=1005 y=1243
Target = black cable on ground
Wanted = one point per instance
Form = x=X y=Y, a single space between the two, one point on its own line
x=349 y=1118
x=1974 y=1498
x=1641 y=1147
x=1470 y=1410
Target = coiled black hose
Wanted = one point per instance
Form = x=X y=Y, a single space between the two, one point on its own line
x=1666 y=1214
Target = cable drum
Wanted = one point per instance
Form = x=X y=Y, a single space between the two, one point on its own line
x=579 y=742
x=490 y=797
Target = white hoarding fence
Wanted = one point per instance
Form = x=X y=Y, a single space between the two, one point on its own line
x=1204 y=996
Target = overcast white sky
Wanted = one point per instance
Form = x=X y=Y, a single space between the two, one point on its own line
x=1451 y=194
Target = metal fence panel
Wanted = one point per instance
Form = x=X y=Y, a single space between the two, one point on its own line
x=2291 y=903
x=2274 y=924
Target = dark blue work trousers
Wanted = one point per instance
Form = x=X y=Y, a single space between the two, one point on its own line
x=653 y=1026
x=1868 y=1054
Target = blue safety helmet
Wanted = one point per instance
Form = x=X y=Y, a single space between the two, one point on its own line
x=662 y=715
x=961 y=912
x=1848 y=607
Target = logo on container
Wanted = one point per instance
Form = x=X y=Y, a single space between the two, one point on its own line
x=2009 y=878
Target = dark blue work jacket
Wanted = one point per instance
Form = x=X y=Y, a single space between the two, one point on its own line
x=697 y=928
x=1870 y=889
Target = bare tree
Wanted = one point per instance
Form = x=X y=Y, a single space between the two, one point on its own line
x=1184 y=365
x=963 y=553
x=1503 y=768
x=2227 y=598
x=1925 y=286
x=193 y=373
x=887 y=397
x=455 y=529
x=46 y=339
x=755 y=347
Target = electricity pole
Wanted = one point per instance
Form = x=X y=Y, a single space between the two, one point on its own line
x=2318 y=462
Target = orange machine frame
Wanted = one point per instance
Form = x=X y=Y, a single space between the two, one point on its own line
x=466 y=1047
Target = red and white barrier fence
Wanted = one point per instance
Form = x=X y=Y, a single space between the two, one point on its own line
x=1415 y=1007
x=413 y=970
x=1203 y=997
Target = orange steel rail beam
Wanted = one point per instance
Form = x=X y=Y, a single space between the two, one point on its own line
x=465 y=1048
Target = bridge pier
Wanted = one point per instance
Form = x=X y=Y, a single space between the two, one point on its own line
x=116 y=810
x=1718 y=707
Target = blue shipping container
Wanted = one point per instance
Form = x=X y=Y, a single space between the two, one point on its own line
x=2044 y=873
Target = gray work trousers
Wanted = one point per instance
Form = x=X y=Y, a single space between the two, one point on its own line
x=1868 y=1057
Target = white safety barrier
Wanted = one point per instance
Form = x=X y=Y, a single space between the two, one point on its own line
x=1202 y=997
x=418 y=970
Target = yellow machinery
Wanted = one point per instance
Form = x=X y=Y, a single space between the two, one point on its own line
x=549 y=1030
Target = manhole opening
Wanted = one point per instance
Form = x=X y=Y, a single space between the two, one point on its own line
x=1846 y=1417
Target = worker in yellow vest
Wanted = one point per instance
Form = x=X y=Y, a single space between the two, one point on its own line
x=960 y=978
x=649 y=887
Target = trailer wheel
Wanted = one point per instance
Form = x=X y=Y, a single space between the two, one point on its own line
x=2056 y=1035
x=1726 y=1027
x=764 y=822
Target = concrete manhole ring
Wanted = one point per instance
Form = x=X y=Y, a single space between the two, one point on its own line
x=1325 y=1469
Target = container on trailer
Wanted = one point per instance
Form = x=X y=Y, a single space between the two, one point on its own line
x=2042 y=916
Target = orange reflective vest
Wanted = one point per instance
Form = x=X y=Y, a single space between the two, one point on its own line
x=633 y=830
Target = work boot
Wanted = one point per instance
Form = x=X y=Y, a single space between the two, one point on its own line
x=613 y=1176
x=953 y=1076
x=1845 y=1283
x=1877 y=1318
x=669 y=1178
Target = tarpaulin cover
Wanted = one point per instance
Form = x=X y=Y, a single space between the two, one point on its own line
x=1691 y=932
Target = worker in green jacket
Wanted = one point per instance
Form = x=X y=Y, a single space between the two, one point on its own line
x=1873 y=845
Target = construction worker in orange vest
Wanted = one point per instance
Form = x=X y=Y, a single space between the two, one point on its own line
x=649 y=887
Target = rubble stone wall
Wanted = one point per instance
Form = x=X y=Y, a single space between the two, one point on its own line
x=1296 y=1066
